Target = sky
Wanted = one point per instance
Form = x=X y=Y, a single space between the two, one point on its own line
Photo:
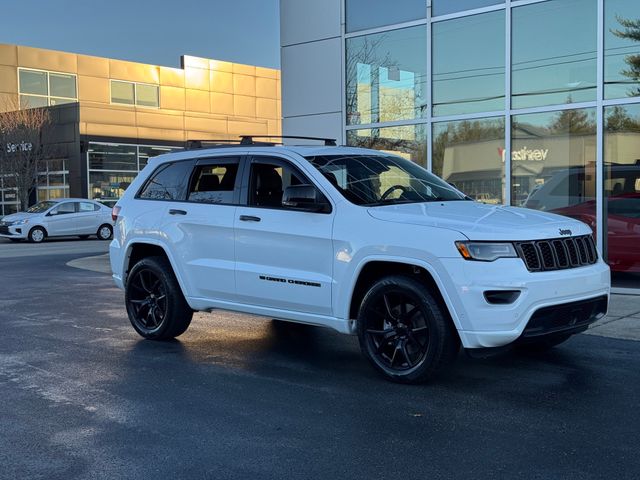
x=148 y=31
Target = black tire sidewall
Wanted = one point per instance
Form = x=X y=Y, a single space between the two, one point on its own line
x=442 y=337
x=44 y=234
x=178 y=315
x=110 y=231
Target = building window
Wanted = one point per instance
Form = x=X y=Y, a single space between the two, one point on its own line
x=131 y=93
x=408 y=141
x=553 y=162
x=621 y=49
x=112 y=167
x=53 y=180
x=386 y=76
x=470 y=155
x=41 y=88
x=622 y=193
x=554 y=53
x=444 y=7
x=365 y=14
x=473 y=82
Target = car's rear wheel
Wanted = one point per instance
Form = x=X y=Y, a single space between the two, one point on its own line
x=104 y=232
x=404 y=332
x=37 y=234
x=155 y=304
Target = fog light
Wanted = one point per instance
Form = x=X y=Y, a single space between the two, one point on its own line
x=501 y=297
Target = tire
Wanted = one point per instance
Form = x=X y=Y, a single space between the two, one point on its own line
x=404 y=332
x=105 y=232
x=155 y=305
x=37 y=234
x=545 y=343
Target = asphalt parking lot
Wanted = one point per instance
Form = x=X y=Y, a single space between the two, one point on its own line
x=242 y=397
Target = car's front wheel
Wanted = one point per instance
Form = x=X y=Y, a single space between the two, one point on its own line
x=37 y=234
x=155 y=304
x=404 y=332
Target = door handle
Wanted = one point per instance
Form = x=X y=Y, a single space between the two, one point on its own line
x=177 y=212
x=249 y=218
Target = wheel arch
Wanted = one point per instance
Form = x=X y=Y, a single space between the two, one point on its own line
x=147 y=247
x=372 y=269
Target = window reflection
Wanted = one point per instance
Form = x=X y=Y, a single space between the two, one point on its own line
x=469 y=154
x=364 y=14
x=386 y=76
x=621 y=48
x=468 y=64
x=443 y=7
x=553 y=158
x=409 y=141
x=554 y=53
x=622 y=193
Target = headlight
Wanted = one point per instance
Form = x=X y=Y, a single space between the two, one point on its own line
x=486 y=251
x=24 y=221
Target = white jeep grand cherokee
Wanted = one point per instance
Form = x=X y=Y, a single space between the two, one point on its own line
x=357 y=240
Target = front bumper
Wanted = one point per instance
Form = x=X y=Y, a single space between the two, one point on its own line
x=546 y=304
x=14 y=231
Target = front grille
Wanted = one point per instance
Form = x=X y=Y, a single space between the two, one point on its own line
x=557 y=253
x=4 y=230
x=566 y=316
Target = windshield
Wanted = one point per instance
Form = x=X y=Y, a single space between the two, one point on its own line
x=41 y=207
x=371 y=180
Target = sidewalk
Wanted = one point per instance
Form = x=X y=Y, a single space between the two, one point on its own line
x=623 y=320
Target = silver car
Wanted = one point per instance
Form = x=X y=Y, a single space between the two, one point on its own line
x=58 y=218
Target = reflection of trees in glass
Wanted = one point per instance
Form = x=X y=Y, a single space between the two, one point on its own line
x=572 y=121
x=413 y=144
x=620 y=121
x=463 y=132
x=631 y=32
x=366 y=54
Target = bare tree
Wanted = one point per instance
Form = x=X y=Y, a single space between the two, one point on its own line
x=25 y=144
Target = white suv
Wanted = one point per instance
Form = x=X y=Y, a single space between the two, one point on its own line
x=357 y=240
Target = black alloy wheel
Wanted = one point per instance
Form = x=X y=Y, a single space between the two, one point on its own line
x=148 y=299
x=155 y=304
x=404 y=332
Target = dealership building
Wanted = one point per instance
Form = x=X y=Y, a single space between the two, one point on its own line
x=110 y=116
x=532 y=103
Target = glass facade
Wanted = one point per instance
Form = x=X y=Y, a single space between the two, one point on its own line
x=112 y=167
x=131 y=93
x=514 y=103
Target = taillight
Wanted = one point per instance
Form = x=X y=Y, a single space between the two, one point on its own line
x=115 y=211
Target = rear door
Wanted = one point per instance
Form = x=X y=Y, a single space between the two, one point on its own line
x=87 y=218
x=283 y=256
x=202 y=228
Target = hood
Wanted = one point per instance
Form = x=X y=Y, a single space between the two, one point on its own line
x=14 y=217
x=478 y=221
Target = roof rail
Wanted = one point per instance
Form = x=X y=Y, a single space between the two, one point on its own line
x=196 y=144
x=248 y=139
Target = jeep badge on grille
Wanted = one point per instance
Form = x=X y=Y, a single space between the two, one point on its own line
x=565 y=232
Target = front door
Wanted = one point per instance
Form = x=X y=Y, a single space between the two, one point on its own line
x=61 y=220
x=283 y=256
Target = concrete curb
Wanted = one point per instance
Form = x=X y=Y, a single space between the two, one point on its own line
x=623 y=321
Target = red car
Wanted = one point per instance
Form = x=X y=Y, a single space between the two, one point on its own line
x=623 y=228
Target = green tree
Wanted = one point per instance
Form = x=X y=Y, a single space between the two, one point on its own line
x=618 y=120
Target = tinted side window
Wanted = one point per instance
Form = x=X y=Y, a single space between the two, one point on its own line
x=214 y=183
x=268 y=181
x=87 y=207
x=169 y=182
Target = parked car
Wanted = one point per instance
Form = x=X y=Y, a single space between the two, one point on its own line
x=357 y=240
x=623 y=228
x=60 y=217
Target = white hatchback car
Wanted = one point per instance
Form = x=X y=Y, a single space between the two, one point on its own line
x=59 y=218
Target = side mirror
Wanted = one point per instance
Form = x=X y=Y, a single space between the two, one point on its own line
x=52 y=213
x=306 y=198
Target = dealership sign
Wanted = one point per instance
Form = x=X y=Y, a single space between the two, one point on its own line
x=19 y=147
x=534 y=155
